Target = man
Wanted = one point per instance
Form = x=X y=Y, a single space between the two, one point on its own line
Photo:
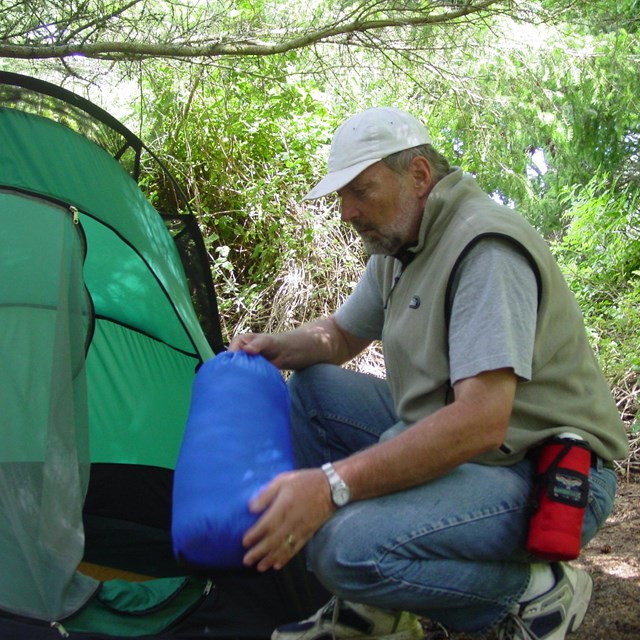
x=414 y=493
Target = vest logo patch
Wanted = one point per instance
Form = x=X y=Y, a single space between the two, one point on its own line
x=415 y=302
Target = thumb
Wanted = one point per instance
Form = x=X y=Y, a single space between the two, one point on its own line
x=262 y=498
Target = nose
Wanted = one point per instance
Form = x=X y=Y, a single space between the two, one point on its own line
x=348 y=210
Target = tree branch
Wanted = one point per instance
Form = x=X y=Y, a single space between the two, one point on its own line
x=92 y=24
x=130 y=50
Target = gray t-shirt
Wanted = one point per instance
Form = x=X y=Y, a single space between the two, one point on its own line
x=493 y=317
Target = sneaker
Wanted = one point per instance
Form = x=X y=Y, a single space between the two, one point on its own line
x=555 y=613
x=341 y=619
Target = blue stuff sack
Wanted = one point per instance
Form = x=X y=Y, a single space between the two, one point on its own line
x=236 y=440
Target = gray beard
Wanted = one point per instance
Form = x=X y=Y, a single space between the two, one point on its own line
x=386 y=245
x=382 y=246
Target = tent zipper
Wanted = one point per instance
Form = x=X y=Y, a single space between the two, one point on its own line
x=60 y=629
x=22 y=619
x=208 y=588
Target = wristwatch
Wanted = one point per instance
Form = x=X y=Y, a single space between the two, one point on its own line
x=340 y=493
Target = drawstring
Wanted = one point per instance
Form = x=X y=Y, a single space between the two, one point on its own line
x=514 y=624
x=330 y=610
x=334 y=617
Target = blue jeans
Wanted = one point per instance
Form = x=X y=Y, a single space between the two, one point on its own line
x=452 y=549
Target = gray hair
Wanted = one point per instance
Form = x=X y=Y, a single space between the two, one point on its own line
x=400 y=161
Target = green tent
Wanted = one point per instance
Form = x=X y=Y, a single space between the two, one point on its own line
x=106 y=310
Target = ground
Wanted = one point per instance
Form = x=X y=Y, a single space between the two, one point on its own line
x=613 y=560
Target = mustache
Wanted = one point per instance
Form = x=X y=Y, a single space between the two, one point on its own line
x=363 y=227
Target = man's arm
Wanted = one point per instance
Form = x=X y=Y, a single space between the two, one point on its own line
x=299 y=503
x=322 y=340
x=475 y=422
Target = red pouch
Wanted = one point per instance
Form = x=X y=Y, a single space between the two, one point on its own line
x=562 y=492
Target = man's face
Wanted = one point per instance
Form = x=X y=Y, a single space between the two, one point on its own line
x=383 y=208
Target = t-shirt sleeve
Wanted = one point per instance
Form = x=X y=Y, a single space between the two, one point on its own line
x=362 y=313
x=494 y=311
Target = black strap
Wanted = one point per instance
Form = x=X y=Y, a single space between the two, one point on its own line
x=448 y=306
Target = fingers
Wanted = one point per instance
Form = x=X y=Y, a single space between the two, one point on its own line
x=271 y=547
x=269 y=544
x=264 y=344
x=290 y=516
x=244 y=342
x=267 y=494
x=273 y=553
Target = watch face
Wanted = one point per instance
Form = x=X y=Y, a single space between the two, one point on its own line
x=341 y=495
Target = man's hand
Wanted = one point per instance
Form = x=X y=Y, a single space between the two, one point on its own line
x=319 y=341
x=266 y=344
x=293 y=507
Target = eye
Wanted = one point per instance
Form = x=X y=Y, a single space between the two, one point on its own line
x=359 y=192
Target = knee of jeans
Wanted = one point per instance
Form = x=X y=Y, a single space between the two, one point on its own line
x=307 y=378
x=343 y=568
x=321 y=564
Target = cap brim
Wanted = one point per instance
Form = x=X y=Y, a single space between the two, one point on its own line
x=335 y=180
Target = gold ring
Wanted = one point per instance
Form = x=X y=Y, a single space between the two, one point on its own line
x=291 y=541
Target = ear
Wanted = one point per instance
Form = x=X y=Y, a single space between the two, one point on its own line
x=420 y=171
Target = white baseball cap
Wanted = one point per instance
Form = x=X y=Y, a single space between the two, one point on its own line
x=365 y=139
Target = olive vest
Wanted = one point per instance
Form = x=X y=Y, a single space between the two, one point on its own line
x=567 y=390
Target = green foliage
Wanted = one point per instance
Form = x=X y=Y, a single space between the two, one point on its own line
x=534 y=109
x=600 y=253
x=243 y=144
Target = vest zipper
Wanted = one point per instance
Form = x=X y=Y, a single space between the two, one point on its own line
x=396 y=280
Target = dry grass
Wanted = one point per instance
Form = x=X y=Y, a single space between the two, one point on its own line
x=310 y=286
